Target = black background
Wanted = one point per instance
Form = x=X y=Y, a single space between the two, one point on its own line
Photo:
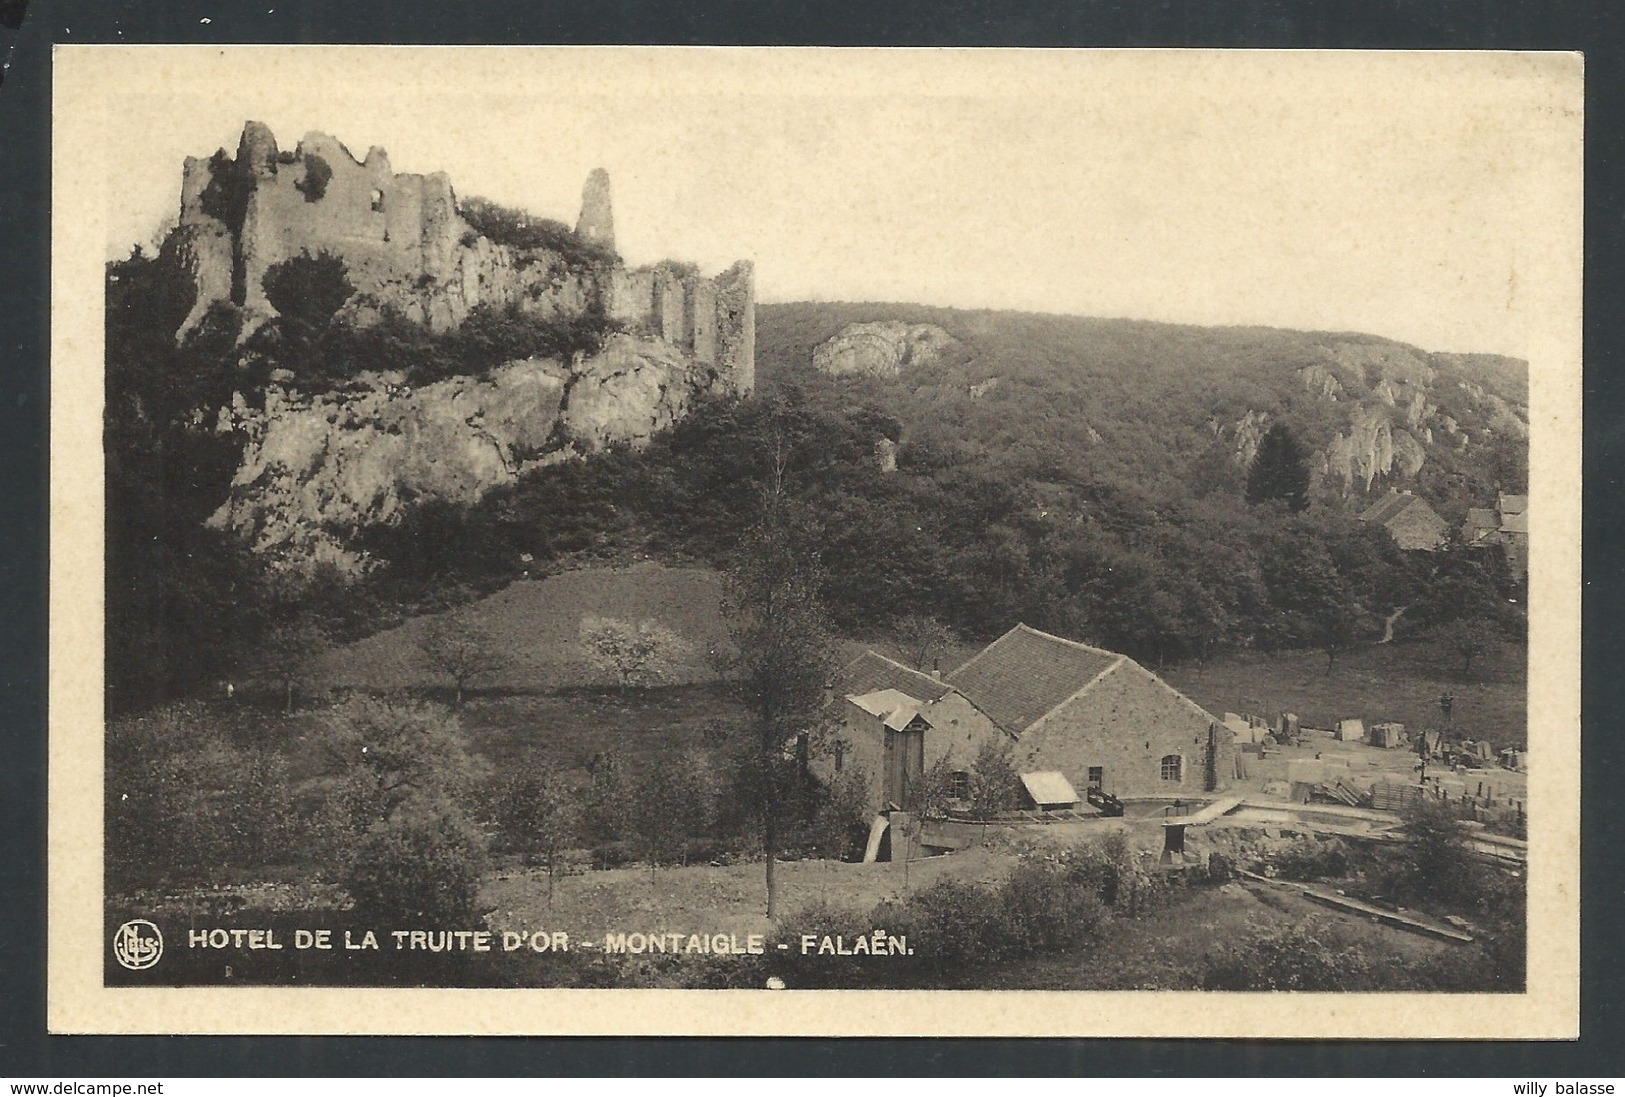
x=25 y=1050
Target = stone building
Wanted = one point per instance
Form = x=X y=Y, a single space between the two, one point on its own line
x=1507 y=525
x=1097 y=717
x=1413 y=524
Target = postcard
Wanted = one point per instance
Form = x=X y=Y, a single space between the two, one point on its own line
x=810 y=541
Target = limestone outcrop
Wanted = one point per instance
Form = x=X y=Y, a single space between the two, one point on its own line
x=880 y=349
x=1389 y=402
x=317 y=470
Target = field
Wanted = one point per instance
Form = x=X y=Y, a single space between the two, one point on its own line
x=534 y=627
x=1398 y=681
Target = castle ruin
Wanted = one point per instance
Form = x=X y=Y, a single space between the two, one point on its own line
x=406 y=247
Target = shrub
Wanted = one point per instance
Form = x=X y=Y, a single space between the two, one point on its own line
x=318 y=173
x=308 y=290
x=1308 y=858
x=1295 y=958
x=420 y=866
x=1048 y=908
x=950 y=924
x=1116 y=874
x=515 y=228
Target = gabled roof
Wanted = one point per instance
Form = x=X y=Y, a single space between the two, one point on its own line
x=1386 y=508
x=872 y=671
x=1026 y=673
x=1512 y=504
x=1480 y=520
x=896 y=709
x=1515 y=522
x=1390 y=507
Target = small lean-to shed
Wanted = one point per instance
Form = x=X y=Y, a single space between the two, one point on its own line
x=1050 y=790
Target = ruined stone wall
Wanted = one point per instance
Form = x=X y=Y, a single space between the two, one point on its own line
x=405 y=247
x=714 y=319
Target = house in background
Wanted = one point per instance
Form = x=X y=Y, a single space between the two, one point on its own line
x=1408 y=518
x=1095 y=717
x=1507 y=525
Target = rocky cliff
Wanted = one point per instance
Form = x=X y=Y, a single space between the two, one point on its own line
x=883 y=348
x=1388 y=407
x=318 y=469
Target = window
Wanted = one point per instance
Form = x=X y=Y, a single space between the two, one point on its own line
x=378 y=201
x=1173 y=767
x=959 y=785
x=840 y=754
x=1097 y=776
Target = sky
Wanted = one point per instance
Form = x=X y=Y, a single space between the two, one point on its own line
x=1398 y=194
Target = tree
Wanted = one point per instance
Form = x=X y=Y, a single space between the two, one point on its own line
x=610 y=812
x=289 y=650
x=782 y=666
x=1279 y=471
x=923 y=639
x=994 y=784
x=390 y=751
x=640 y=654
x=674 y=805
x=418 y=866
x=543 y=811
x=1468 y=637
x=458 y=648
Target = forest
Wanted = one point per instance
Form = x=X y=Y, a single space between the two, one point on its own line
x=1000 y=510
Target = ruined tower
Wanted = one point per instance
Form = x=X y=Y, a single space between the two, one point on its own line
x=597 y=222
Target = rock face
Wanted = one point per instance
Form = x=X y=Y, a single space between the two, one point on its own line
x=406 y=247
x=316 y=470
x=1390 y=407
x=880 y=349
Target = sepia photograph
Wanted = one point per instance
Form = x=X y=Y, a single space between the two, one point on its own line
x=1081 y=542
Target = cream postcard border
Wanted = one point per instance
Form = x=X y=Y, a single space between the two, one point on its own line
x=84 y=80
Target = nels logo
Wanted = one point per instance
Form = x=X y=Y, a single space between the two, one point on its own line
x=137 y=944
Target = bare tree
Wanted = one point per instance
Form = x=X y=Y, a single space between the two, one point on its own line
x=459 y=649
x=924 y=640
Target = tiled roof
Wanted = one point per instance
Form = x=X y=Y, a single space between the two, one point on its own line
x=1386 y=508
x=1025 y=673
x=872 y=671
x=1480 y=519
x=1512 y=504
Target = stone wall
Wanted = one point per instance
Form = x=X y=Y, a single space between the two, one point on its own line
x=714 y=319
x=406 y=247
x=958 y=732
x=1126 y=723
